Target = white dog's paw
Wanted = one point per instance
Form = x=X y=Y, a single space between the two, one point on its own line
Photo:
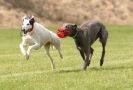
x=61 y=56
x=27 y=56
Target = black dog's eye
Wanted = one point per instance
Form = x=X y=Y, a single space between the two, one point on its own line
x=66 y=26
x=28 y=24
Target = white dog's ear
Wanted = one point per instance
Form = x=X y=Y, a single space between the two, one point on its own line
x=32 y=17
x=24 y=17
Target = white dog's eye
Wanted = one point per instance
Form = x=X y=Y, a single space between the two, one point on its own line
x=28 y=24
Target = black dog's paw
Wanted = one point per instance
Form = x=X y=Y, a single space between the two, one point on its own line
x=101 y=62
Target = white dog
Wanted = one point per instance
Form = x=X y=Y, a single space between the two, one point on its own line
x=35 y=36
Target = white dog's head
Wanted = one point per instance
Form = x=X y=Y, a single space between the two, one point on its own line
x=27 y=24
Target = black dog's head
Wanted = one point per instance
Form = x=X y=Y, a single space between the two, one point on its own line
x=67 y=30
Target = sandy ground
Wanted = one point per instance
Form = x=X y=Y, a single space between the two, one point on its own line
x=56 y=11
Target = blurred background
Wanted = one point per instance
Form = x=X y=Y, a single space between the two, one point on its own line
x=59 y=11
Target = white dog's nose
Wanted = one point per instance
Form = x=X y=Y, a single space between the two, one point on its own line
x=23 y=30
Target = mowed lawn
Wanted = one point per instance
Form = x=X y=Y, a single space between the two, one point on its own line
x=16 y=73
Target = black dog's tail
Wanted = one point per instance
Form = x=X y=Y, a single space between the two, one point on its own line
x=103 y=34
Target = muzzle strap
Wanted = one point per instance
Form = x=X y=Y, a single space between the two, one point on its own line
x=30 y=30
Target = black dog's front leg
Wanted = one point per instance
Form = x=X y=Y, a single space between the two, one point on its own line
x=91 y=52
x=87 y=59
x=81 y=53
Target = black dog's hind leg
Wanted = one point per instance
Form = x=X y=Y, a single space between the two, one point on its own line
x=103 y=54
x=103 y=40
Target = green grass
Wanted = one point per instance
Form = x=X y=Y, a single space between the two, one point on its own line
x=16 y=73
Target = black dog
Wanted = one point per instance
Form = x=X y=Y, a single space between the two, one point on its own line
x=84 y=36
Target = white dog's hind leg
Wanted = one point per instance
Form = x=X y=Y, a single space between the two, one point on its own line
x=57 y=46
x=60 y=53
x=47 y=46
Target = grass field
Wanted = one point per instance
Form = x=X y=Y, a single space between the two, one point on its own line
x=16 y=73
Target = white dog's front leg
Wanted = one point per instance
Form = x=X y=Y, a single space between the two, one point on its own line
x=22 y=49
x=35 y=46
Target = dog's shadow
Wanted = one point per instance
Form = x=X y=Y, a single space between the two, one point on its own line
x=69 y=70
x=95 y=69
x=109 y=68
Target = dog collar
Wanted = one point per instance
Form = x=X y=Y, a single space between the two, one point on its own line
x=76 y=33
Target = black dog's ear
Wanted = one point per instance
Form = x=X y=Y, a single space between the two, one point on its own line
x=32 y=20
x=74 y=26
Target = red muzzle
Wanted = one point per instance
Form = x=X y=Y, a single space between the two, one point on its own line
x=63 y=32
